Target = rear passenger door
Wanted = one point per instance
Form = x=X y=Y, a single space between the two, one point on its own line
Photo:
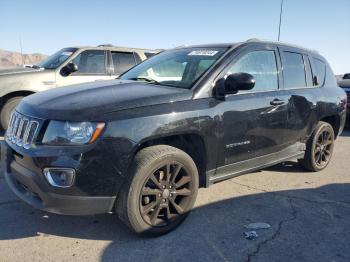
x=123 y=61
x=299 y=84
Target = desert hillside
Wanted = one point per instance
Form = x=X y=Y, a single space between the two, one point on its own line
x=9 y=59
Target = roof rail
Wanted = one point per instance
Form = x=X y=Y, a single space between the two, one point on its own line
x=106 y=45
x=253 y=40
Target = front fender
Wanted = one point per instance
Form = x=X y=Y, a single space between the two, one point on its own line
x=29 y=82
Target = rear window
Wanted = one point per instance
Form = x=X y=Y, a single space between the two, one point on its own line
x=320 y=71
x=293 y=70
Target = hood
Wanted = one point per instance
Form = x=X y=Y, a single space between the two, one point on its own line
x=92 y=101
x=18 y=70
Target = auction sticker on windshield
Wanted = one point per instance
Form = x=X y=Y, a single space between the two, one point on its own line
x=204 y=52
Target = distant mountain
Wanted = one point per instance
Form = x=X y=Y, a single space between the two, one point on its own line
x=9 y=59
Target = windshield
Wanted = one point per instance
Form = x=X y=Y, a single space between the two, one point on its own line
x=178 y=68
x=55 y=60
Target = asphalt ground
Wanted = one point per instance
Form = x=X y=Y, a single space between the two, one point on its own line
x=309 y=214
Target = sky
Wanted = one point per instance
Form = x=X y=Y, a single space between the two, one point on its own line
x=47 y=26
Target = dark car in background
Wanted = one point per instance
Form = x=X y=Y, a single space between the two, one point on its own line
x=344 y=82
x=186 y=118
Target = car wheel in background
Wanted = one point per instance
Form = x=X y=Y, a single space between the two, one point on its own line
x=7 y=109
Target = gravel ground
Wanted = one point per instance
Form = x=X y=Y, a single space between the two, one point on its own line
x=308 y=213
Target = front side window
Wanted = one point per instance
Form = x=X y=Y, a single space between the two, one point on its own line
x=122 y=61
x=91 y=62
x=293 y=70
x=177 y=68
x=261 y=65
x=57 y=59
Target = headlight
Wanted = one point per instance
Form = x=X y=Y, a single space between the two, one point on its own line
x=72 y=133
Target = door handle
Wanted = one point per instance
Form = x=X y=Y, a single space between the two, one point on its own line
x=277 y=102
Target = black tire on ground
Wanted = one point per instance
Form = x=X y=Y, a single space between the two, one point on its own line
x=7 y=110
x=159 y=192
x=319 y=148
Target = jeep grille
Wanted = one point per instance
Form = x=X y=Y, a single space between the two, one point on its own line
x=22 y=130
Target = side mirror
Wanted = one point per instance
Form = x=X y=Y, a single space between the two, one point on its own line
x=235 y=82
x=69 y=69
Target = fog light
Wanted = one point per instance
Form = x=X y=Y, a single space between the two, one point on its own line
x=60 y=177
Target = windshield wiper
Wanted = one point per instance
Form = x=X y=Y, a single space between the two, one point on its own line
x=147 y=79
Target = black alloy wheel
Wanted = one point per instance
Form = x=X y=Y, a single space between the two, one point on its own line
x=160 y=190
x=319 y=148
x=323 y=148
x=166 y=194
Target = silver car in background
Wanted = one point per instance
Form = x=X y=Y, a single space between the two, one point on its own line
x=72 y=65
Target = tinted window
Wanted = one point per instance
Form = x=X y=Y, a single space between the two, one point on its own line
x=122 y=62
x=260 y=64
x=308 y=71
x=91 y=62
x=320 y=71
x=293 y=70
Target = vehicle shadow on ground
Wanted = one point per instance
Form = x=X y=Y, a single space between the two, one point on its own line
x=307 y=225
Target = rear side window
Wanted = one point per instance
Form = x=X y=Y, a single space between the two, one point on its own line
x=122 y=61
x=293 y=70
x=260 y=64
x=320 y=71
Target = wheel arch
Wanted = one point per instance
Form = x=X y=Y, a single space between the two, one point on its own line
x=192 y=144
x=8 y=96
x=334 y=121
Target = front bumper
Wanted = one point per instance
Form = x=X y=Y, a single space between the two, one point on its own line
x=31 y=186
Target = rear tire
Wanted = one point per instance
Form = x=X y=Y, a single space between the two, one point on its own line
x=319 y=148
x=7 y=109
x=160 y=190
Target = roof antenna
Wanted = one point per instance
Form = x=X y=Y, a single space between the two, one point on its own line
x=279 y=26
x=20 y=45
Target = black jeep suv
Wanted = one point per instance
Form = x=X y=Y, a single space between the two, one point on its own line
x=143 y=144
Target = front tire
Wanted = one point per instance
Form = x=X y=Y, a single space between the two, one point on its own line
x=160 y=191
x=7 y=109
x=319 y=148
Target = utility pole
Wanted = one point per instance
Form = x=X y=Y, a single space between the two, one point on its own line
x=279 y=26
x=20 y=45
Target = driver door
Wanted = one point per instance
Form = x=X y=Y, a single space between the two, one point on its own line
x=254 y=120
x=92 y=66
